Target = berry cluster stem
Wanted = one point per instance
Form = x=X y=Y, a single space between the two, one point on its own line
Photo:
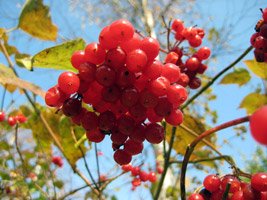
x=190 y=148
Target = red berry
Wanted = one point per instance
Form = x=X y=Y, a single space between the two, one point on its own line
x=196 y=41
x=263 y=31
x=135 y=171
x=87 y=72
x=92 y=95
x=122 y=157
x=238 y=195
x=258 y=125
x=152 y=177
x=259 y=181
x=72 y=107
x=176 y=94
x=2 y=116
x=107 y=120
x=177 y=25
x=68 y=82
x=153 y=117
x=192 y=63
x=153 y=70
x=212 y=182
x=171 y=72
x=116 y=58
x=136 y=182
x=133 y=147
x=77 y=59
x=148 y=99
x=143 y=176
x=195 y=196
x=105 y=39
x=151 y=47
x=136 y=60
x=95 y=136
x=105 y=76
x=89 y=121
x=129 y=97
x=111 y=94
x=175 y=118
x=159 y=86
x=122 y=30
x=132 y=44
x=171 y=57
x=138 y=134
x=127 y=167
x=126 y=124
x=154 y=133
x=195 y=83
x=57 y=160
x=203 y=53
x=163 y=108
x=264 y=15
x=95 y=53
x=11 y=121
x=117 y=137
x=233 y=181
x=125 y=78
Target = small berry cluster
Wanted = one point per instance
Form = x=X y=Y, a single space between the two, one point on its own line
x=13 y=120
x=259 y=39
x=57 y=160
x=215 y=187
x=126 y=86
x=258 y=125
x=192 y=65
x=139 y=175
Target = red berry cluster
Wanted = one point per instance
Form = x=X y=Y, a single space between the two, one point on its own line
x=139 y=175
x=126 y=86
x=259 y=39
x=258 y=125
x=57 y=160
x=192 y=64
x=13 y=120
x=215 y=187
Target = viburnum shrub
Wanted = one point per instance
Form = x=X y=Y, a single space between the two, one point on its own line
x=123 y=91
x=128 y=87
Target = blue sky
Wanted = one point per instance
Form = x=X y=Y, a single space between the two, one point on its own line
x=238 y=15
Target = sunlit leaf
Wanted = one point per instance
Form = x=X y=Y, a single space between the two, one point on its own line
x=253 y=101
x=259 y=69
x=24 y=60
x=58 y=57
x=184 y=136
x=36 y=21
x=239 y=76
x=9 y=48
x=9 y=80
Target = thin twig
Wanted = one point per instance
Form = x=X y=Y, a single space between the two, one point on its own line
x=72 y=192
x=166 y=165
x=3 y=98
x=97 y=164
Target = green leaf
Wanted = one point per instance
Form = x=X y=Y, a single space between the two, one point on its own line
x=24 y=60
x=253 y=101
x=259 y=69
x=58 y=57
x=36 y=21
x=240 y=77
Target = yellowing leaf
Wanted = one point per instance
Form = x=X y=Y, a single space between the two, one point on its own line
x=10 y=49
x=12 y=82
x=36 y=21
x=240 y=77
x=183 y=137
x=253 y=101
x=259 y=69
x=24 y=60
x=58 y=57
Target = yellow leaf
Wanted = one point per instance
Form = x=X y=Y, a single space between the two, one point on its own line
x=259 y=69
x=36 y=21
x=253 y=101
